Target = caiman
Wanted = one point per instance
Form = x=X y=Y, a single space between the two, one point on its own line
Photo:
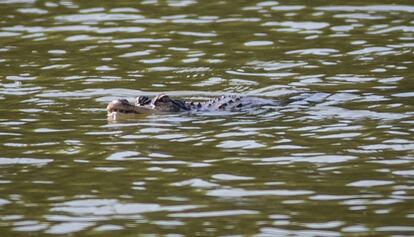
x=163 y=103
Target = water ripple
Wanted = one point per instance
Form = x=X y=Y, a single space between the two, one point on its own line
x=214 y=214
x=373 y=8
x=104 y=207
x=97 y=17
x=24 y=161
x=238 y=192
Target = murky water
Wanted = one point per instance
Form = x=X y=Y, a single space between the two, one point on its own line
x=339 y=167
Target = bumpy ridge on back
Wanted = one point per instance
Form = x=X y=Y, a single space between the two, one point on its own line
x=229 y=102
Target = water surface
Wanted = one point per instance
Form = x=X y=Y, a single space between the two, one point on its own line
x=342 y=166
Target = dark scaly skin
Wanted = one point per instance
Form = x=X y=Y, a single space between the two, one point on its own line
x=163 y=103
x=229 y=103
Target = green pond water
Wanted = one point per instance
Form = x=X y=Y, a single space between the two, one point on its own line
x=342 y=166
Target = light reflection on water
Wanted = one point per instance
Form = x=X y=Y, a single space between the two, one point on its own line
x=273 y=170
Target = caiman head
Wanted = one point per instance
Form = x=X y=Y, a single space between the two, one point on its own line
x=143 y=104
x=162 y=103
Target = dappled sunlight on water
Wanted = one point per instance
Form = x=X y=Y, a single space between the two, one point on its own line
x=337 y=160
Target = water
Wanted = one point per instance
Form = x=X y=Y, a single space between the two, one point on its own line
x=339 y=167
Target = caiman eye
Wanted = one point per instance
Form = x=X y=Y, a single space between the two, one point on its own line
x=162 y=99
x=165 y=98
x=143 y=100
